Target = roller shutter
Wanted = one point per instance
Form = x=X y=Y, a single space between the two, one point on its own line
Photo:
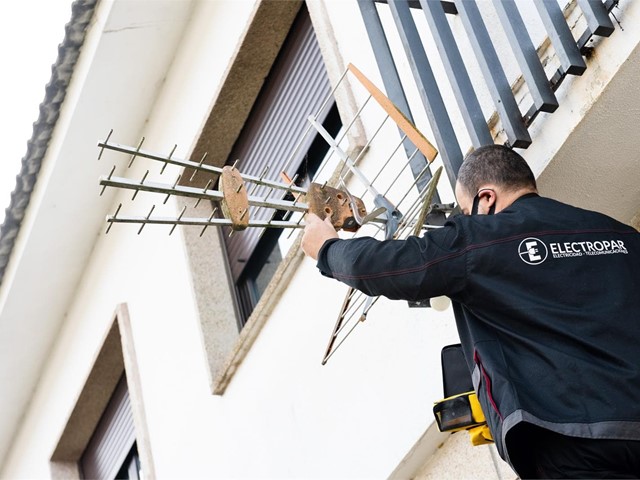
x=297 y=87
x=113 y=438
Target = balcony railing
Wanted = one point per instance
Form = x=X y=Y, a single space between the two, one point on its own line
x=439 y=15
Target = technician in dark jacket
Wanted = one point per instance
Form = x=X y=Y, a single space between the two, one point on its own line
x=547 y=303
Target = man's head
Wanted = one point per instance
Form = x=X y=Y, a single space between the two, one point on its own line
x=491 y=178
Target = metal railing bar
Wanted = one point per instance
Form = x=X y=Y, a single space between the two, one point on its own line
x=557 y=79
x=448 y=7
x=390 y=76
x=597 y=17
x=431 y=97
x=561 y=37
x=456 y=71
x=532 y=70
x=499 y=87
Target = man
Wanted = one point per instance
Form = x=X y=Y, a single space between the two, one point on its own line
x=547 y=304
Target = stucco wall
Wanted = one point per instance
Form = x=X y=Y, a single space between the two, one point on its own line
x=149 y=272
x=283 y=414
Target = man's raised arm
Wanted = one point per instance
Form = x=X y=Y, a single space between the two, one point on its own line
x=411 y=269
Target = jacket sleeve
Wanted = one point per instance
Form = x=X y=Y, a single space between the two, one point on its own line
x=413 y=269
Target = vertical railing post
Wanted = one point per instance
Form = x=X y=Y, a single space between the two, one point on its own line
x=437 y=114
x=543 y=97
x=597 y=17
x=561 y=38
x=463 y=91
x=499 y=88
x=391 y=80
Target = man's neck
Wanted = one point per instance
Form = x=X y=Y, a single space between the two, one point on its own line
x=506 y=199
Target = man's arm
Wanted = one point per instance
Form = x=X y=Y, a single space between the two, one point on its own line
x=411 y=269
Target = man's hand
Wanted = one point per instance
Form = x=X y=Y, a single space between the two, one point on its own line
x=316 y=232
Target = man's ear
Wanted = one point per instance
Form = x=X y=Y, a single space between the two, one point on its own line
x=490 y=196
x=487 y=198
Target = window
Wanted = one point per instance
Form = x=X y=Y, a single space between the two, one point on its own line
x=296 y=87
x=112 y=450
x=271 y=247
x=106 y=434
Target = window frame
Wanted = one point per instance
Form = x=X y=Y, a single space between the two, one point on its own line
x=224 y=346
x=272 y=138
x=115 y=355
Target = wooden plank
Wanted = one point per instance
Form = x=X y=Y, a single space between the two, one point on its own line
x=408 y=128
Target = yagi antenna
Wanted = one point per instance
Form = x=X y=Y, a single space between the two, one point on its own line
x=395 y=208
x=233 y=196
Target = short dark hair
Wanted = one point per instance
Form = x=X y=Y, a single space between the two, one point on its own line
x=495 y=164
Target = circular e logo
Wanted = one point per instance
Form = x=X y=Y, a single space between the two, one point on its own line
x=532 y=251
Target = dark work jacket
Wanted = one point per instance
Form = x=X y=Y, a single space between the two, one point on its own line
x=547 y=304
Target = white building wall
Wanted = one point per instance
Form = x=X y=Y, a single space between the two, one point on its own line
x=283 y=414
x=148 y=272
